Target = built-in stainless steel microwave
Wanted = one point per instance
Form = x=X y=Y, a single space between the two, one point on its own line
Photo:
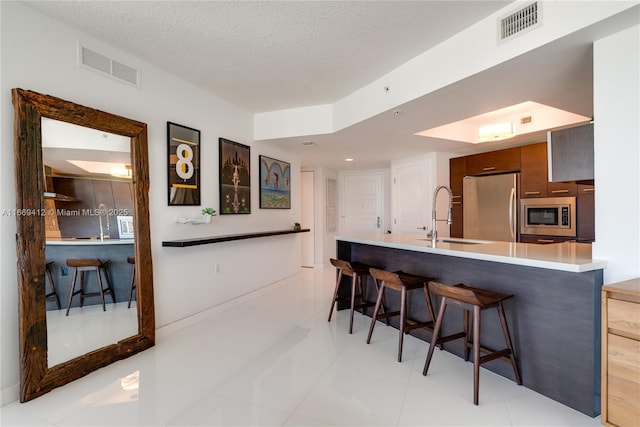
x=551 y=216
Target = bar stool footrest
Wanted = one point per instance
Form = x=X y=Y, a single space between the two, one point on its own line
x=387 y=315
x=412 y=324
x=451 y=337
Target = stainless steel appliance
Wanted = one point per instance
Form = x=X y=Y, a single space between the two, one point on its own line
x=490 y=208
x=550 y=216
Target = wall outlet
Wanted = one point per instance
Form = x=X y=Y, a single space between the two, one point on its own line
x=64 y=270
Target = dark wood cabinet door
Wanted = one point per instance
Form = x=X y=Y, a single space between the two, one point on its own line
x=562 y=189
x=585 y=215
x=507 y=160
x=533 y=172
x=544 y=240
x=457 y=171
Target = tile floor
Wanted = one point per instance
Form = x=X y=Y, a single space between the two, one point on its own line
x=275 y=360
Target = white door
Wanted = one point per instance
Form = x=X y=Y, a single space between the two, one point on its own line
x=410 y=189
x=307 y=219
x=362 y=201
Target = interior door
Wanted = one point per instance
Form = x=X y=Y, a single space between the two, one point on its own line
x=362 y=201
x=411 y=207
x=308 y=218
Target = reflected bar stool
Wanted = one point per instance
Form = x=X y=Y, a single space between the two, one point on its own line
x=476 y=300
x=132 y=260
x=87 y=265
x=53 y=294
x=401 y=282
x=357 y=271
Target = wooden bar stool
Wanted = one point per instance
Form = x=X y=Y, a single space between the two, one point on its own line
x=52 y=285
x=476 y=300
x=86 y=265
x=132 y=260
x=357 y=271
x=401 y=282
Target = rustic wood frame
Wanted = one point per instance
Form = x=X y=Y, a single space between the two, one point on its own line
x=36 y=378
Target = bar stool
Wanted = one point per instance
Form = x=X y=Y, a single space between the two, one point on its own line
x=357 y=271
x=476 y=300
x=132 y=260
x=86 y=265
x=401 y=282
x=53 y=294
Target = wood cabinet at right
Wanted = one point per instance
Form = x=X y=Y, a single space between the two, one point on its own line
x=620 y=379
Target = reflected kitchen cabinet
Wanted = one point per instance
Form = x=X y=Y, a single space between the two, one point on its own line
x=80 y=217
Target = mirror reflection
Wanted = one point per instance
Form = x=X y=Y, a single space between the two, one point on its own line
x=88 y=203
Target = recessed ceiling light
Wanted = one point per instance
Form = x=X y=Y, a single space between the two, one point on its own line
x=348 y=160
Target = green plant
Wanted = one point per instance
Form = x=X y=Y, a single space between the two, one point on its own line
x=208 y=211
x=297 y=224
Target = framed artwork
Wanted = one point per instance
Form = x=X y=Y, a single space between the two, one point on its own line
x=275 y=184
x=235 y=178
x=183 y=145
x=125 y=226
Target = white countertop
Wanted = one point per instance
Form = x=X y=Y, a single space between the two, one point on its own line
x=72 y=241
x=567 y=256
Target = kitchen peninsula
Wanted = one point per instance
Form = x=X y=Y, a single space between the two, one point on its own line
x=58 y=250
x=554 y=316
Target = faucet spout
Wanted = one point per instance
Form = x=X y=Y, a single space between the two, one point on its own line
x=103 y=210
x=434 y=216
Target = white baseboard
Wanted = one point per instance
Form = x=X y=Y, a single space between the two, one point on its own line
x=12 y=393
x=172 y=327
x=9 y=394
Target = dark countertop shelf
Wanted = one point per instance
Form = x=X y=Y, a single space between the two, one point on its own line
x=228 y=238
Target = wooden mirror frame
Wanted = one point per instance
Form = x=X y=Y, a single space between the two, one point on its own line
x=36 y=378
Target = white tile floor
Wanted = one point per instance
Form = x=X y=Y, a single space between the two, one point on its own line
x=275 y=360
x=69 y=336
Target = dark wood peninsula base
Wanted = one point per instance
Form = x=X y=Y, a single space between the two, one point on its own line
x=554 y=317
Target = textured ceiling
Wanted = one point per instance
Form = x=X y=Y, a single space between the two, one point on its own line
x=272 y=55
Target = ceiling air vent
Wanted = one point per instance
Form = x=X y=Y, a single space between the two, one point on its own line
x=525 y=18
x=105 y=65
x=526 y=120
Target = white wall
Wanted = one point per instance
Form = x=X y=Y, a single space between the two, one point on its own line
x=39 y=54
x=325 y=243
x=616 y=81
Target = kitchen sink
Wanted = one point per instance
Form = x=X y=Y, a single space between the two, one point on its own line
x=460 y=241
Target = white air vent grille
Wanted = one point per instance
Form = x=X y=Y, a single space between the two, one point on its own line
x=525 y=18
x=112 y=68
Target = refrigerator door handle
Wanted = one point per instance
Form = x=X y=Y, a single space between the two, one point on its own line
x=512 y=223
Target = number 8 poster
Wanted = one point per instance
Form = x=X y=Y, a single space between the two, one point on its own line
x=184 y=165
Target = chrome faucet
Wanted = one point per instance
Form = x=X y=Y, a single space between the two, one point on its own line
x=103 y=210
x=434 y=219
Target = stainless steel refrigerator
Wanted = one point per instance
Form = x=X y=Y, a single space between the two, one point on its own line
x=490 y=207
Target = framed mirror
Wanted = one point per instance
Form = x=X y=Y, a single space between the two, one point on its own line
x=37 y=376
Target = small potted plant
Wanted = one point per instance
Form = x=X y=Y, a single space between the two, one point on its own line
x=207 y=213
x=296 y=226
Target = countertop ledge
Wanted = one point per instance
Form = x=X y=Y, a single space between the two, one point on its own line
x=567 y=256
x=71 y=241
x=228 y=238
